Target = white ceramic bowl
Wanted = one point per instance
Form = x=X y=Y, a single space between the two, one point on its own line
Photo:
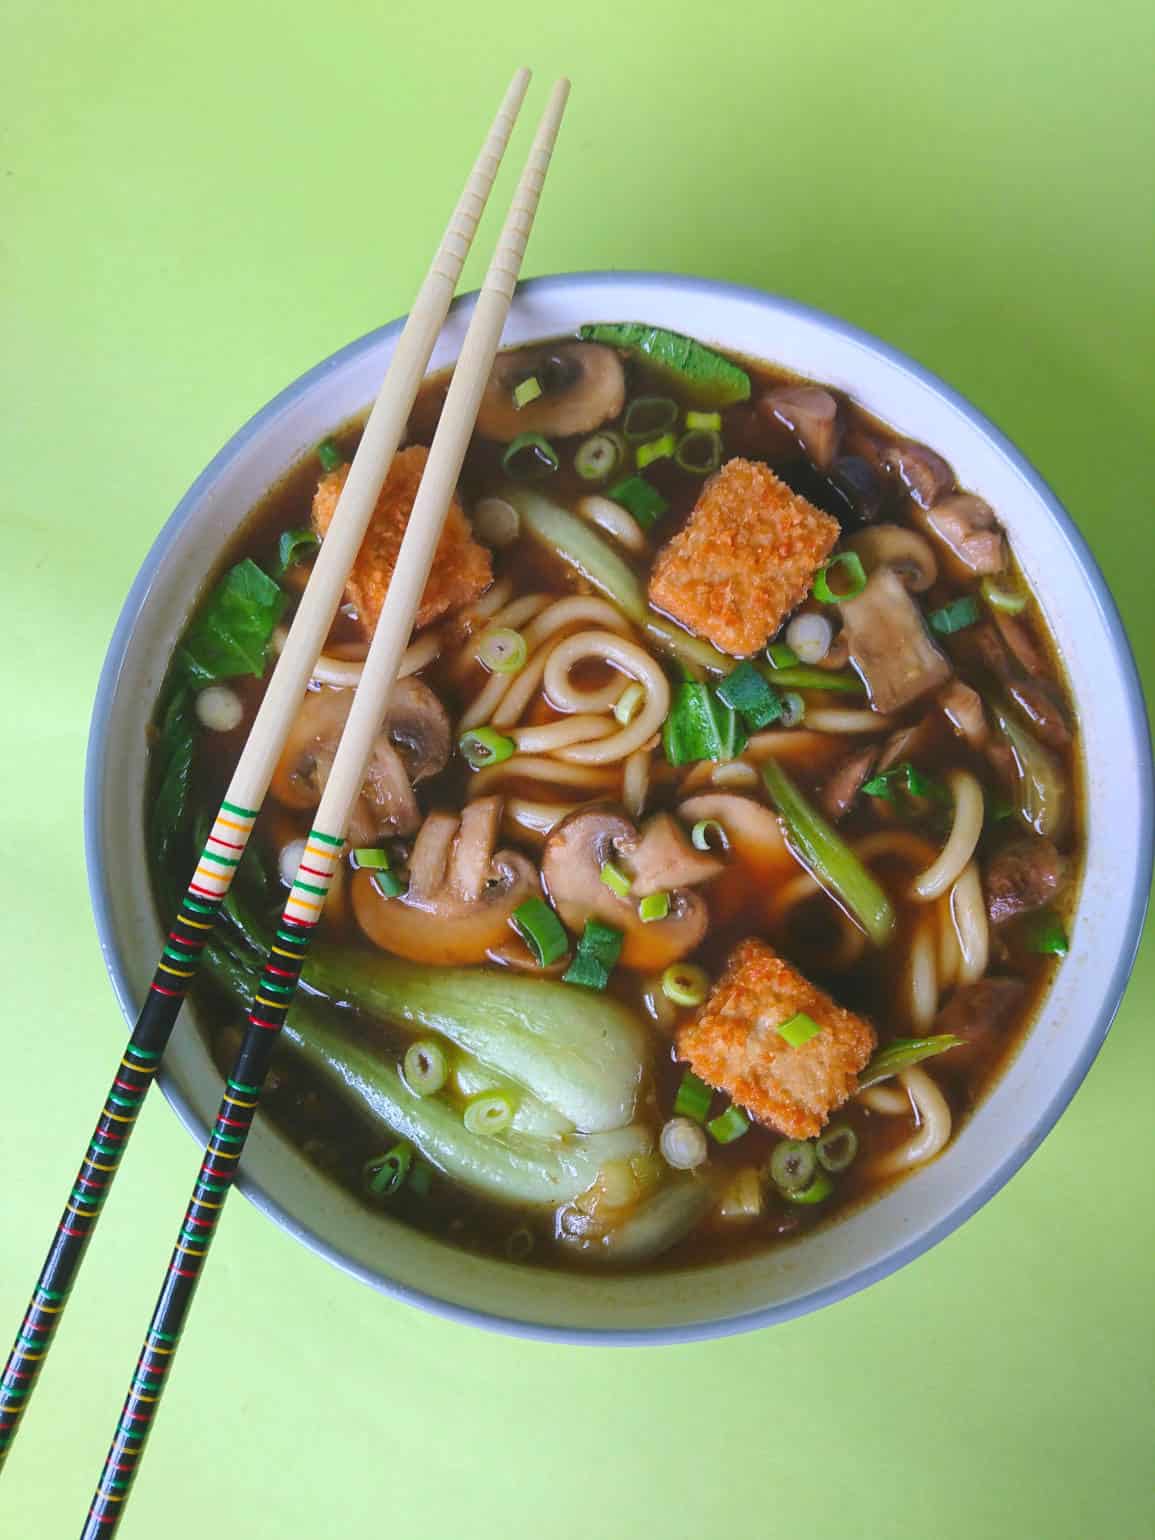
x=1008 y=1127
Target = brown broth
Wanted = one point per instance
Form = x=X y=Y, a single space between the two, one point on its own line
x=340 y=1142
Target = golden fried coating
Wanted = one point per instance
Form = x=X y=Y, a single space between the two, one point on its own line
x=461 y=568
x=733 y=1043
x=745 y=558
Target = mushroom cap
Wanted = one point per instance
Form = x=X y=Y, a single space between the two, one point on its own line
x=925 y=475
x=571 y=865
x=811 y=414
x=413 y=743
x=582 y=384
x=760 y=860
x=461 y=892
x=893 y=545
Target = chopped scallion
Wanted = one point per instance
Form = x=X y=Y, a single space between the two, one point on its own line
x=707 y=422
x=629 y=703
x=804 y=676
x=642 y=501
x=853 y=578
x=1046 y=935
x=526 y=391
x=655 y=906
x=728 y=1125
x=329 y=455
x=956 y=616
x=502 y=651
x=599 y=457
x=425 y=1068
x=615 y=879
x=708 y=834
x=648 y=416
x=384 y=1174
x=799 y=1029
x=597 y=952
x=793 y=712
x=295 y=545
x=1005 y=599
x=685 y=983
x=746 y=692
x=836 y=1147
x=491 y=1113
x=781 y=656
x=657 y=449
x=699 y=451
x=820 y=1188
x=370 y=858
x=483 y=746
x=693 y=1098
x=387 y=884
x=529 y=457
x=793 y=1165
x=901 y=1054
x=541 y=930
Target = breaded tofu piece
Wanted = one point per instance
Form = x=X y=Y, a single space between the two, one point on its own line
x=745 y=558
x=734 y=1045
x=461 y=568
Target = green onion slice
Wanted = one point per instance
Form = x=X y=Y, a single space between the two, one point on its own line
x=956 y=616
x=648 y=416
x=614 y=878
x=1005 y=599
x=595 y=957
x=820 y=1188
x=644 y=502
x=685 y=983
x=387 y=884
x=707 y=422
x=747 y=692
x=370 y=858
x=657 y=449
x=655 y=906
x=708 y=834
x=488 y=1114
x=836 y=1147
x=829 y=858
x=799 y=1029
x=529 y=457
x=502 y=651
x=293 y=546
x=329 y=455
x=854 y=578
x=425 y=1068
x=629 y=703
x=384 y=1174
x=793 y=712
x=805 y=676
x=781 y=656
x=1047 y=935
x=527 y=391
x=541 y=930
x=482 y=746
x=693 y=1098
x=599 y=457
x=903 y=1053
x=699 y=451
x=904 y=775
x=728 y=1125
x=793 y=1165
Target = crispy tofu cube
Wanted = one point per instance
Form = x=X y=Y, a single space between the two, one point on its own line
x=734 y=1044
x=461 y=568
x=745 y=558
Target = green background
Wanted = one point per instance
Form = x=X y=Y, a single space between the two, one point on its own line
x=200 y=201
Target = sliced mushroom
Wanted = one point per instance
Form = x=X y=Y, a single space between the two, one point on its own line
x=460 y=896
x=413 y=743
x=811 y=415
x=967 y=526
x=663 y=859
x=840 y=790
x=925 y=475
x=582 y=385
x=760 y=859
x=904 y=550
x=889 y=644
x=571 y=867
x=963 y=709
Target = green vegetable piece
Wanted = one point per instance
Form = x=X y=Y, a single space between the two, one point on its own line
x=644 y=503
x=803 y=676
x=728 y=1125
x=781 y=656
x=836 y=1147
x=793 y=709
x=705 y=375
x=371 y=858
x=704 y=422
x=657 y=449
x=820 y=1189
x=648 y=417
x=700 y=726
x=614 y=878
x=799 y=1029
x=482 y=746
x=953 y=617
x=655 y=906
x=541 y=930
x=829 y=858
x=851 y=584
x=233 y=628
x=529 y=457
x=425 y=1068
x=1046 y=935
x=385 y=1173
x=693 y=1098
x=905 y=775
x=489 y=1114
x=387 y=884
x=903 y=1053
x=1009 y=600
x=699 y=452
x=793 y=1165
x=527 y=391
x=295 y=545
x=1044 y=796
x=168 y=817
x=599 y=457
x=330 y=455
x=597 y=953
x=747 y=692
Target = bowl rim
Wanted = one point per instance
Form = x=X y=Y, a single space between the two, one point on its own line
x=1134 y=729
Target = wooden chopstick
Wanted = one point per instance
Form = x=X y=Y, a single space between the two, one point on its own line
x=323 y=847
x=231 y=829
